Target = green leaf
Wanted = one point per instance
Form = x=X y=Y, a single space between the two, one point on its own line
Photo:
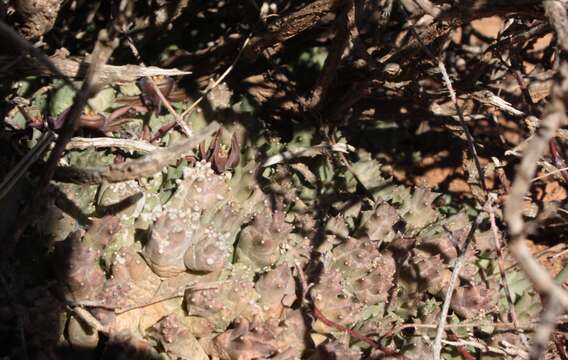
x=61 y=100
x=103 y=100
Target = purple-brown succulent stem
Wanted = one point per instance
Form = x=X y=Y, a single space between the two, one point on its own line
x=163 y=131
x=461 y=349
x=150 y=96
x=318 y=315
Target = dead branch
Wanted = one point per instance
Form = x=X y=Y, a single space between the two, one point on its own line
x=143 y=167
x=77 y=69
x=104 y=47
x=126 y=144
x=344 y=27
x=437 y=346
x=545 y=329
x=513 y=211
x=289 y=26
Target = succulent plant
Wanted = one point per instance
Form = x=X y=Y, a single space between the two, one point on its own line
x=272 y=339
x=332 y=299
x=415 y=206
x=366 y=272
x=260 y=242
x=170 y=237
x=79 y=268
x=225 y=300
x=336 y=350
x=277 y=290
x=472 y=301
x=200 y=262
x=176 y=339
x=378 y=223
x=209 y=251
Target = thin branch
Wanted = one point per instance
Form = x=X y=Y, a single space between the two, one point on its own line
x=143 y=167
x=453 y=97
x=164 y=129
x=190 y=110
x=178 y=119
x=470 y=141
x=345 y=24
x=509 y=351
x=437 y=346
x=73 y=68
x=501 y=263
x=306 y=152
x=544 y=176
x=461 y=348
x=104 y=47
x=545 y=329
x=557 y=15
x=499 y=325
x=541 y=280
x=126 y=144
x=89 y=319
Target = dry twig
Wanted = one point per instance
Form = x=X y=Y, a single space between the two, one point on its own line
x=163 y=130
x=178 y=119
x=126 y=144
x=437 y=346
x=133 y=169
x=74 y=68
